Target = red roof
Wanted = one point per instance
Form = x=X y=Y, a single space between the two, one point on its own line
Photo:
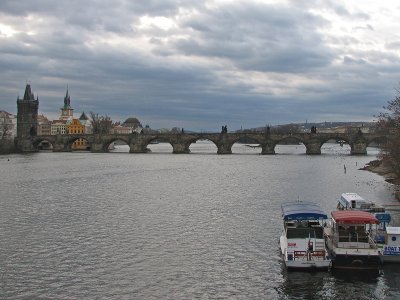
x=354 y=217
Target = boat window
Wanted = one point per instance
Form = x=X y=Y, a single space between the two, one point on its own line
x=319 y=232
x=393 y=238
x=293 y=233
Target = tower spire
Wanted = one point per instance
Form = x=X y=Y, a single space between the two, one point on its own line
x=28 y=95
x=67 y=100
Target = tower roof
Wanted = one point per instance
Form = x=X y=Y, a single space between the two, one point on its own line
x=131 y=121
x=83 y=117
x=67 y=100
x=28 y=93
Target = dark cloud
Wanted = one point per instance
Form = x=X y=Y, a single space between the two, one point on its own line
x=240 y=63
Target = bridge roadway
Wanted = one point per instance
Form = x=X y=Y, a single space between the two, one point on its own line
x=138 y=143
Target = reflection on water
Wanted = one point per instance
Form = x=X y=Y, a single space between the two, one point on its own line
x=162 y=226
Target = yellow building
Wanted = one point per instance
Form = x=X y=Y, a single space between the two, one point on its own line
x=75 y=127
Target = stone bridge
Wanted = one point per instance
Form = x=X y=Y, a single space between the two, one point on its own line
x=138 y=143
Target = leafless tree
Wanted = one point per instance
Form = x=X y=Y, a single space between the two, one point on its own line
x=389 y=124
x=5 y=130
x=100 y=124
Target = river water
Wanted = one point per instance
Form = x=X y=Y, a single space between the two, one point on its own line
x=163 y=226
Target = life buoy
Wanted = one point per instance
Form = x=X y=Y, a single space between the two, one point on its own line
x=357 y=262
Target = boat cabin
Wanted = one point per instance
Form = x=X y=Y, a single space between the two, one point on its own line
x=304 y=229
x=352 y=229
x=356 y=202
x=391 y=246
x=392 y=237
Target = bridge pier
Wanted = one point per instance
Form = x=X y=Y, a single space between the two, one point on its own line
x=97 y=148
x=58 y=145
x=180 y=148
x=138 y=148
x=224 y=148
x=268 y=148
x=358 y=148
x=313 y=147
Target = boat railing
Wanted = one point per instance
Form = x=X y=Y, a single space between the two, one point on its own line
x=372 y=243
x=315 y=255
x=356 y=240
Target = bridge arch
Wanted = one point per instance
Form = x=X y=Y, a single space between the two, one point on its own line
x=77 y=143
x=159 y=145
x=341 y=145
x=110 y=143
x=202 y=145
x=43 y=143
x=290 y=144
x=246 y=144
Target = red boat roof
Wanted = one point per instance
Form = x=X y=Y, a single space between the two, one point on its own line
x=354 y=217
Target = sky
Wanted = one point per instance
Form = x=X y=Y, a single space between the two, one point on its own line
x=203 y=64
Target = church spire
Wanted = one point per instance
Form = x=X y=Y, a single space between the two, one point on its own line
x=67 y=112
x=67 y=100
x=28 y=95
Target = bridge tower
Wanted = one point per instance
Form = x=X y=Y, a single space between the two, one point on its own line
x=27 y=111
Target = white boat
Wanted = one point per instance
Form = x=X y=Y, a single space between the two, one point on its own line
x=391 y=246
x=387 y=238
x=353 y=201
x=349 y=242
x=302 y=241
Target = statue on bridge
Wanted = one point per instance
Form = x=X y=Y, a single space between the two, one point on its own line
x=313 y=129
x=224 y=129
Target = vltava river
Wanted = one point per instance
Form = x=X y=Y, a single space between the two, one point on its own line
x=164 y=226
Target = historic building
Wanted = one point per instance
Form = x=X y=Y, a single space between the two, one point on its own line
x=27 y=111
x=67 y=113
x=76 y=127
x=58 y=127
x=44 y=125
x=132 y=123
x=8 y=125
x=86 y=122
x=118 y=129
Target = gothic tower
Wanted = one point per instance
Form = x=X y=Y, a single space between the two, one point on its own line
x=27 y=111
x=67 y=113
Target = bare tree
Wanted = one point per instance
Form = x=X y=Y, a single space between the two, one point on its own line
x=389 y=124
x=100 y=124
x=5 y=130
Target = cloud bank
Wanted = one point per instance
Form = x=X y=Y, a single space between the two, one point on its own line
x=201 y=64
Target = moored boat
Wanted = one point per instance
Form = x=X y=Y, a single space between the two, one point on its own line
x=391 y=246
x=349 y=241
x=353 y=201
x=302 y=241
x=387 y=238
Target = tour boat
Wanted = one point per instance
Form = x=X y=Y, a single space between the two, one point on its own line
x=302 y=241
x=353 y=201
x=350 y=243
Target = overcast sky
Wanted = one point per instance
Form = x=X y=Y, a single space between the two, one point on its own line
x=202 y=64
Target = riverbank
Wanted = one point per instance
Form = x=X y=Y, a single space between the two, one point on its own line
x=380 y=168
